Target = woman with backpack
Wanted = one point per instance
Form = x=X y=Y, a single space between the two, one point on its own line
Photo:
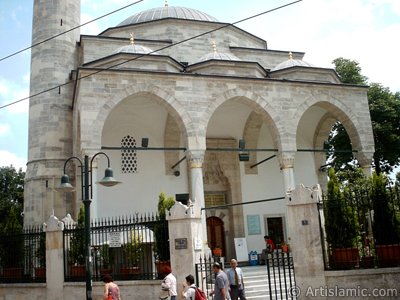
x=191 y=291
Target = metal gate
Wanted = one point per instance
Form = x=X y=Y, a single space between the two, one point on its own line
x=273 y=278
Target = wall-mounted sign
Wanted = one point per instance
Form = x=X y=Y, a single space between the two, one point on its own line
x=253 y=224
x=198 y=244
x=115 y=239
x=181 y=243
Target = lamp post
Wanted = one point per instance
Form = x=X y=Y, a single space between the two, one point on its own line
x=87 y=192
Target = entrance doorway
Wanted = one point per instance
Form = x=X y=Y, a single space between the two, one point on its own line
x=274 y=229
x=215 y=234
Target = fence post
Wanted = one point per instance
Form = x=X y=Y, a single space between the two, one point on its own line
x=185 y=239
x=305 y=238
x=54 y=258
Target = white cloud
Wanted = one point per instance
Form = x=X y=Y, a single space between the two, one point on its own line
x=91 y=28
x=4 y=129
x=13 y=91
x=329 y=29
x=9 y=158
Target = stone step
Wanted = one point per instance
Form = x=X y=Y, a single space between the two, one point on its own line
x=257 y=284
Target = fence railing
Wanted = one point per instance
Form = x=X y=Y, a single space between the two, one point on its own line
x=375 y=226
x=23 y=256
x=122 y=247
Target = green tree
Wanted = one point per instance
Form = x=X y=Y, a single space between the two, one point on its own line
x=11 y=198
x=349 y=71
x=385 y=116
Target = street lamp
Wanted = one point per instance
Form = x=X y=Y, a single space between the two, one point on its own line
x=86 y=183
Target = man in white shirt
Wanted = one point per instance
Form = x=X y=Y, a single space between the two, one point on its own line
x=236 y=283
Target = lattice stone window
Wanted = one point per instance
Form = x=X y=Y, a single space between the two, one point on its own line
x=128 y=156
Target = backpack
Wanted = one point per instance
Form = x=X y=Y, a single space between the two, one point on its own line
x=199 y=294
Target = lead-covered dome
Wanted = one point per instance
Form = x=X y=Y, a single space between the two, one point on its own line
x=291 y=63
x=135 y=49
x=218 y=56
x=164 y=12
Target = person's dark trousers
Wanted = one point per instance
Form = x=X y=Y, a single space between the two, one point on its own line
x=237 y=292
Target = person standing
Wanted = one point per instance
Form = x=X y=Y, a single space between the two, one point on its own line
x=221 y=286
x=169 y=283
x=236 y=283
x=269 y=243
x=111 y=289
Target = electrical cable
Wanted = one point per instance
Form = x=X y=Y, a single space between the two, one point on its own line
x=160 y=49
x=64 y=32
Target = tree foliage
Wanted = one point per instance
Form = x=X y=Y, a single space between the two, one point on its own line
x=340 y=223
x=11 y=198
x=385 y=116
x=349 y=71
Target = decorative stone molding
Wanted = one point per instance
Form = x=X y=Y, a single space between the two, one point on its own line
x=181 y=211
x=304 y=195
x=195 y=158
x=53 y=224
x=286 y=159
x=67 y=220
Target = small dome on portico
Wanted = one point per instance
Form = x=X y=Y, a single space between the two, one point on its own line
x=291 y=63
x=133 y=48
x=218 y=55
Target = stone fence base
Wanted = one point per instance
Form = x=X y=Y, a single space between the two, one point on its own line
x=133 y=290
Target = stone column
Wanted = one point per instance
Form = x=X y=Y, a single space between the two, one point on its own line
x=186 y=239
x=365 y=161
x=286 y=162
x=195 y=159
x=54 y=258
x=305 y=238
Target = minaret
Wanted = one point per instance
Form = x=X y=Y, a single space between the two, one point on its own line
x=50 y=114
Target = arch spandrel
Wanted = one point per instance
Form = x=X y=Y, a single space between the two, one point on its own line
x=359 y=131
x=93 y=134
x=259 y=105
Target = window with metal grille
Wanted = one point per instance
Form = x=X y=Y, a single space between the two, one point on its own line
x=128 y=155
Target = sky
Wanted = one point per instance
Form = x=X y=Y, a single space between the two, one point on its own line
x=363 y=30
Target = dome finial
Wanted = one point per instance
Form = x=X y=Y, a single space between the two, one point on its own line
x=166 y=3
x=290 y=55
x=214 y=45
x=132 y=38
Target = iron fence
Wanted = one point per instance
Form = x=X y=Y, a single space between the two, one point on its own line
x=277 y=272
x=23 y=256
x=375 y=219
x=122 y=247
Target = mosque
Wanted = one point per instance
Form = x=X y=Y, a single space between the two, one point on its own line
x=183 y=104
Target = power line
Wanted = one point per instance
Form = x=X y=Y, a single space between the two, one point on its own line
x=160 y=49
x=64 y=32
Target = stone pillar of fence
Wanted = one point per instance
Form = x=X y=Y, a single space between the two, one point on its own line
x=185 y=239
x=305 y=238
x=54 y=258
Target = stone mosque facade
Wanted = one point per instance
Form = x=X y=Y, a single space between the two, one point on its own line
x=194 y=101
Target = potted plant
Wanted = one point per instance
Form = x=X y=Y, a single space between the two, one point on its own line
x=217 y=251
x=385 y=223
x=77 y=247
x=340 y=226
x=161 y=245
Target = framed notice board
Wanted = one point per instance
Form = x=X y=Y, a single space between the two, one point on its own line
x=253 y=224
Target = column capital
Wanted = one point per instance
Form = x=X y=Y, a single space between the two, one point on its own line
x=286 y=159
x=195 y=158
